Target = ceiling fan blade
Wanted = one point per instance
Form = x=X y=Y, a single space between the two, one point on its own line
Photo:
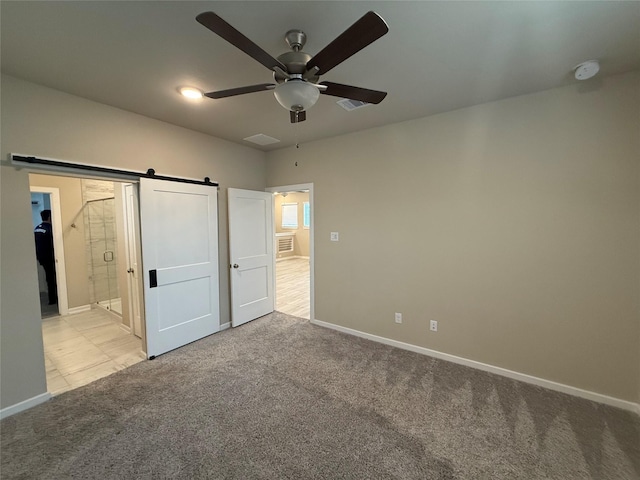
x=353 y=93
x=362 y=33
x=297 y=117
x=220 y=27
x=240 y=90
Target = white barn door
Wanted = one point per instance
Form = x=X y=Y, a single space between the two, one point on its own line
x=179 y=223
x=251 y=254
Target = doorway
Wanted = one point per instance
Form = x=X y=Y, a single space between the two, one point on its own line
x=48 y=198
x=40 y=202
x=177 y=217
x=94 y=338
x=293 y=227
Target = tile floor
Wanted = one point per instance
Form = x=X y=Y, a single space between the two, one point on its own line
x=84 y=347
x=292 y=287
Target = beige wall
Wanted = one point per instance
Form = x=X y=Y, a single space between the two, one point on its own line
x=515 y=224
x=73 y=238
x=22 y=373
x=301 y=243
x=44 y=122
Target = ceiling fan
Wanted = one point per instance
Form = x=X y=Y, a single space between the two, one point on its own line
x=297 y=73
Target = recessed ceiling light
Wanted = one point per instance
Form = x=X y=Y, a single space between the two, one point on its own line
x=587 y=69
x=191 y=92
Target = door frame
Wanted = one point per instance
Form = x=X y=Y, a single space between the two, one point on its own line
x=64 y=171
x=58 y=245
x=293 y=188
x=133 y=248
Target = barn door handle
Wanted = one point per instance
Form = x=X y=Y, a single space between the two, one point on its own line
x=153 y=278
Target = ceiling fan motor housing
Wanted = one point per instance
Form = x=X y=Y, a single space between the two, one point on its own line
x=296 y=63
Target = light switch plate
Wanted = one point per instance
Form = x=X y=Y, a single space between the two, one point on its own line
x=335 y=236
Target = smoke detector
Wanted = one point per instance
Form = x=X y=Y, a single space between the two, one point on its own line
x=587 y=69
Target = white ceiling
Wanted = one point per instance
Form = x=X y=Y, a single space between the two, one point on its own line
x=437 y=56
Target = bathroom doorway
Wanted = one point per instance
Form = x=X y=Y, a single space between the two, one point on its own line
x=93 y=337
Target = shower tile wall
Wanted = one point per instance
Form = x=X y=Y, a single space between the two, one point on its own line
x=101 y=238
x=96 y=189
x=99 y=218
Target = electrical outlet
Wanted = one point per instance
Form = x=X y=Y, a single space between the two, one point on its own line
x=433 y=325
x=398 y=317
x=335 y=236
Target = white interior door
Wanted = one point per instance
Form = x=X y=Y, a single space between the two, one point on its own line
x=251 y=254
x=133 y=278
x=180 y=258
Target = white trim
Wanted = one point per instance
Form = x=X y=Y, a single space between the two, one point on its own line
x=58 y=245
x=24 y=405
x=125 y=328
x=294 y=188
x=541 y=382
x=131 y=236
x=225 y=326
x=80 y=309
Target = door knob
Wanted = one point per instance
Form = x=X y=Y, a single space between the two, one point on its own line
x=235 y=265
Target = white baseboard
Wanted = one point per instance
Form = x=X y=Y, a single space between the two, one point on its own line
x=24 y=405
x=126 y=328
x=80 y=309
x=225 y=326
x=541 y=382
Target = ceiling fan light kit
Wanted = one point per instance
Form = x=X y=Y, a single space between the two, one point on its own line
x=296 y=94
x=297 y=73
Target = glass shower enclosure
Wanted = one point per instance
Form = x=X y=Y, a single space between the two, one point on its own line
x=104 y=288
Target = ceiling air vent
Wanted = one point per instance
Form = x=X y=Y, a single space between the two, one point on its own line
x=261 y=139
x=349 y=104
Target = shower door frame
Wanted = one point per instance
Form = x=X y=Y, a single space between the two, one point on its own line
x=106 y=303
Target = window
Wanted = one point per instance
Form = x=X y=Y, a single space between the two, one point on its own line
x=306 y=215
x=289 y=215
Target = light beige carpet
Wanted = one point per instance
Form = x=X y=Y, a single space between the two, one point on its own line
x=281 y=398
